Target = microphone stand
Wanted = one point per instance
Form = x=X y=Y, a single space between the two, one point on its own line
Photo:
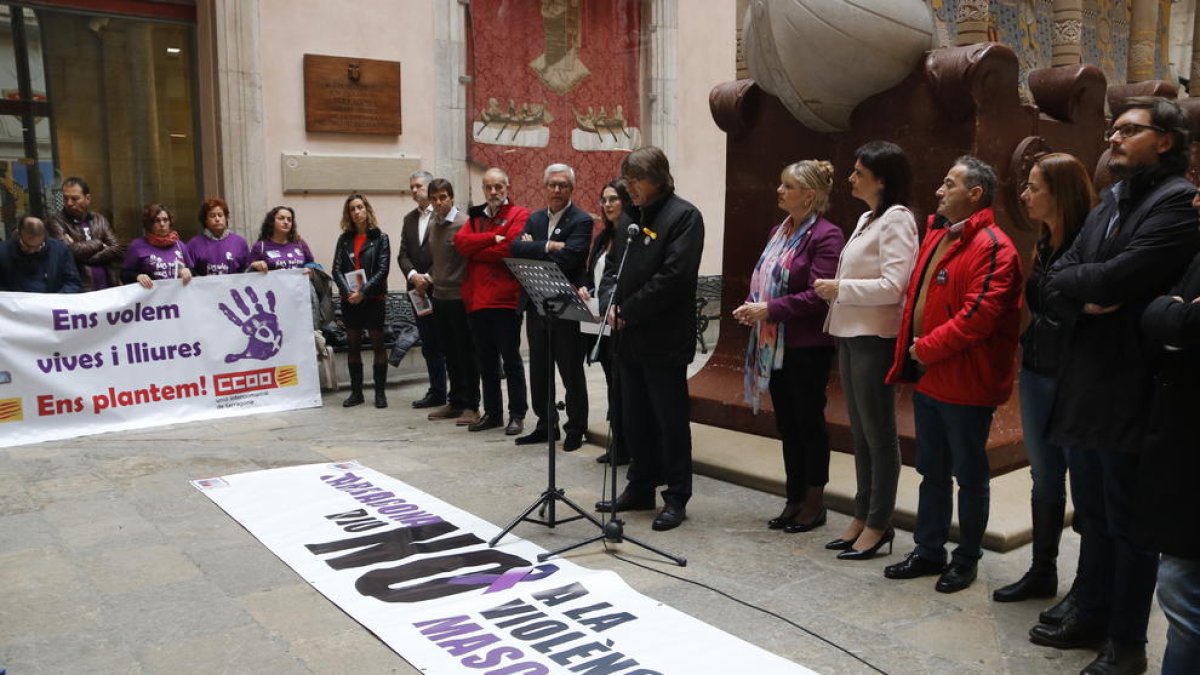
x=612 y=527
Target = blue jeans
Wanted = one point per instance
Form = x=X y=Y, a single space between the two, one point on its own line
x=1047 y=461
x=951 y=441
x=1179 y=597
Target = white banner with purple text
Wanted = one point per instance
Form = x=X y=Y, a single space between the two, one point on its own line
x=131 y=357
x=418 y=573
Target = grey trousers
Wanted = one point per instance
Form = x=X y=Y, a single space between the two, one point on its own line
x=863 y=362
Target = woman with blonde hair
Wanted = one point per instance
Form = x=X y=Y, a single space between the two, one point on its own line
x=788 y=353
x=361 y=261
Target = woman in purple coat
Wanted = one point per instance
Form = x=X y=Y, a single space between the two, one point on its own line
x=279 y=246
x=158 y=254
x=789 y=354
x=217 y=249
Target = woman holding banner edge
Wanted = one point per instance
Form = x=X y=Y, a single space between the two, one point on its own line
x=158 y=254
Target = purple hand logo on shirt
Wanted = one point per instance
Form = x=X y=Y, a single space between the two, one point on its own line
x=260 y=325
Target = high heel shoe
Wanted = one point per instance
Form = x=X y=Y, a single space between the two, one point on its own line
x=840 y=544
x=851 y=554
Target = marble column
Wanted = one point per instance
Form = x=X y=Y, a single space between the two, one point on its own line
x=450 y=97
x=238 y=82
x=1143 y=30
x=1067 y=46
x=971 y=22
x=662 y=30
x=1194 y=73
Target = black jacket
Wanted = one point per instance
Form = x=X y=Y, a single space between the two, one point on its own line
x=657 y=290
x=1045 y=337
x=1170 y=464
x=574 y=230
x=414 y=252
x=50 y=270
x=376 y=261
x=1105 y=380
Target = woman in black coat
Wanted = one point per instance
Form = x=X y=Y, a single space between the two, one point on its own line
x=360 y=270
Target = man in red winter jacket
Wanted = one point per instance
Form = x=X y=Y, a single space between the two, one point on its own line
x=957 y=341
x=491 y=293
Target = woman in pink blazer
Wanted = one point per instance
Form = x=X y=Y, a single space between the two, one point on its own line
x=866 y=298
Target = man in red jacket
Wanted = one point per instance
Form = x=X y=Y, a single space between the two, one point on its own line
x=957 y=341
x=491 y=294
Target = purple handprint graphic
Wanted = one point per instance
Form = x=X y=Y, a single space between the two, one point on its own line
x=259 y=324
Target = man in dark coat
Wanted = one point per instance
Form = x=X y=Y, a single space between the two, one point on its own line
x=33 y=263
x=88 y=235
x=655 y=322
x=1167 y=499
x=415 y=260
x=561 y=232
x=1133 y=246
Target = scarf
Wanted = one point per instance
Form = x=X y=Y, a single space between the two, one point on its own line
x=764 y=353
x=209 y=235
x=166 y=241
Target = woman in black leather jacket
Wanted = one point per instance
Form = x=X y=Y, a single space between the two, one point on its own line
x=1058 y=194
x=360 y=270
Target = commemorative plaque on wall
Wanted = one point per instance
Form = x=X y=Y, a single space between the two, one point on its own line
x=351 y=96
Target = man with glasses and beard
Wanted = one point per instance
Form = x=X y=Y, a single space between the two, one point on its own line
x=1133 y=246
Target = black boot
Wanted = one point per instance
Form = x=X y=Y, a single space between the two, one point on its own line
x=356 y=380
x=1041 y=581
x=380 y=372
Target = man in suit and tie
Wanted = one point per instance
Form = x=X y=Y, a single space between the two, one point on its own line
x=415 y=261
x=560 y=232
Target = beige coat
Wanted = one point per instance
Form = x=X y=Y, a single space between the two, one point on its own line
x=873 y=275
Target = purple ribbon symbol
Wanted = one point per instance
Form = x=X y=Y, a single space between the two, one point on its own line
x=505 y=581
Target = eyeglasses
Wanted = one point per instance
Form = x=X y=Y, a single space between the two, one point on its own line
x=556 y=185
x=609 y=200
x=1129 y=129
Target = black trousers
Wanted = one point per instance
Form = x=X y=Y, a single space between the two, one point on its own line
x=655 y=412
x=459 y=350
x=568 y=357
x=798 y=394
x=497 y=336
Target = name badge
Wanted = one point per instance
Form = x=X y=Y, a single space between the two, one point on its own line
x=272 y=254
x=942 y=277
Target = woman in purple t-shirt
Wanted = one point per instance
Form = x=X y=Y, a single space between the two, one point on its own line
x=279 y=246
x=159 y=254
x=217 y=249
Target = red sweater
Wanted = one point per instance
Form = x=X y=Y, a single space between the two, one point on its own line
x=972 y=315
x=487 y=283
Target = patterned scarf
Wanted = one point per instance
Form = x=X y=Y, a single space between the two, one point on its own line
x=764 y=352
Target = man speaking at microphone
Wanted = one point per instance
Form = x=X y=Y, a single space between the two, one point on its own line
x=654 y=317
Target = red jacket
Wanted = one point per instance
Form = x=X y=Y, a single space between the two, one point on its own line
x=972 y=316
x=488 y=284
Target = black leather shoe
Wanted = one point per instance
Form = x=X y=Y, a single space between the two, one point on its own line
x=573 y=441
x=796 y=526
x=429 y=401
x=486 y=422
x=1118 y=658
x=622 y=459
x=1053 y=616
x=627 y=502
x=1075 y=632
x=1036 y=583
x=538 y=435
x=671 y=517
x=912 y=567
x=515 y=426
x=957 y=577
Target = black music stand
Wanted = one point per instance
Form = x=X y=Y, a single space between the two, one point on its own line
x=555 y=297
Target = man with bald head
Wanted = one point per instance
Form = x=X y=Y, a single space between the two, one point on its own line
x=491 y=295
x=31 y=262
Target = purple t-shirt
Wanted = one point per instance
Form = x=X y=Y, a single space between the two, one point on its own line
x=227 y=255
x=154 y=262
x=281 y=256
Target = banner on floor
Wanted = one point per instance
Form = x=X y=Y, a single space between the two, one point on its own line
x=418 y=573
x=131 y=357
